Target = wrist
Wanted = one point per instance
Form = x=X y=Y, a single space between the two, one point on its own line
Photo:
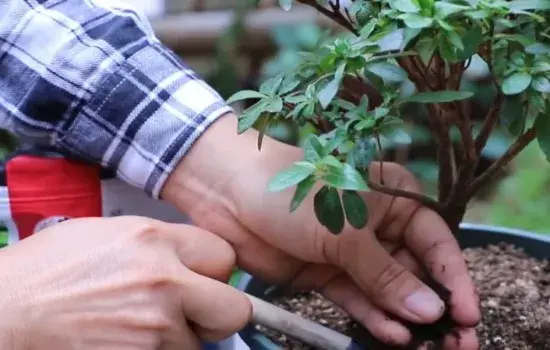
x=222 y=166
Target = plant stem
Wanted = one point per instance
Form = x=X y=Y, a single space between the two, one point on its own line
x=469 y=155
x=334 y=15
x=520 y=143
x=420 y=198
x=381 y=159
x=492 y=116
x=489 y=124
x=444 y=157
x=417 y=70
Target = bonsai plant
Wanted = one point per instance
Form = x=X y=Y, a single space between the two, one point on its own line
x=350 y=90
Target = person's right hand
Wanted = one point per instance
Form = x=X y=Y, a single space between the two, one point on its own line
x=118 y=283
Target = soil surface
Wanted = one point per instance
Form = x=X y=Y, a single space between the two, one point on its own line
x=514 y=290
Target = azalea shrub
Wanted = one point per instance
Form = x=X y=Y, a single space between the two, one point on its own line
x=350 y=91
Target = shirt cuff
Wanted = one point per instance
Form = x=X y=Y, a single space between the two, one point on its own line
x=143 y=117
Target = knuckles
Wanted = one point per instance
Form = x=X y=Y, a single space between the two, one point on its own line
x=388 y=279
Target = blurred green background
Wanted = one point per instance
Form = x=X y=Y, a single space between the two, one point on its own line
x=518 y=199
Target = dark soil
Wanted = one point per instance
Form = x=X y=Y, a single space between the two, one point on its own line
x=514 y=291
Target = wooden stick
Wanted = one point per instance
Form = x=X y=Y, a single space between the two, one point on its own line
x=309 y=332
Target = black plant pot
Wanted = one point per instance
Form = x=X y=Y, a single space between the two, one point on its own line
x=471 y=236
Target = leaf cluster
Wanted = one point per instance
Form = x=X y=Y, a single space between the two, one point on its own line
x=390 y=43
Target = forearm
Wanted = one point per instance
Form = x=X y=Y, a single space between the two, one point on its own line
x=93 y=81
x=224 y=167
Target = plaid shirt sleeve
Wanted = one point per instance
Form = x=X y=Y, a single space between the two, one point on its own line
x=90 y=78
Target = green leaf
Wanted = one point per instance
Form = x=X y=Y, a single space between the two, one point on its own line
x=339 y=136
x=288 y=84
x=540 y=67
x=345 y=177
x=295 y=99
x=272 y=85
x=426 y=48
x=302 y=190
x=313 y=149
x=409 y=34
x=399 y=136
x=543 y=133
x=249 y=117
x=355 y=209
x=522 y=5
x=415 y=21
x=327 y=94
x=538 y=49
x=471 y=40
x=286 y=4
x=455 y=40
x=478 y=14
x=362 y=154
x=291 y=176
x=389 y=72
x=244 y=95
x=541 y=84
x=512 y=115
x=328 y=209
x=408 y=6
x=439 y=96
x=426 y=6
x=516 y=83
x=445 y=9
x=367 y=30
x=331 y=161
x=275 y=105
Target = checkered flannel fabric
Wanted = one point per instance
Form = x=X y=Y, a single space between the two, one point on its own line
x=89 y=78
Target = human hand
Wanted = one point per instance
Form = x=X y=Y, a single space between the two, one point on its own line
x=367 y=272
x=118 y=283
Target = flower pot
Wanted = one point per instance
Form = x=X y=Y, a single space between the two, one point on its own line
x=471 y=236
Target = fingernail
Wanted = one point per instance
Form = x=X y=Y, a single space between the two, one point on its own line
x=425 y=304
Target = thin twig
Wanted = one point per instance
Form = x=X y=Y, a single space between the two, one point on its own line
x=379 y=143
x=489 y=123
x=420 y=198
x=334 y=15
x=520 y=143
x=445 y=160
x=492 y=116
x=468 y=165
x=440 y=128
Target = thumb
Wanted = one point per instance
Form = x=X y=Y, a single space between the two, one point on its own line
x=388 y=284
x=215 y=310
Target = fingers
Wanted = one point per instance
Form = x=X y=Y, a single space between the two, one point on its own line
x=466 y=339
x=431 y=241
x=216 y=310
x=345 y=293
x=389 y=284
x=408 y=261
x=201 y=251
x=212 y=308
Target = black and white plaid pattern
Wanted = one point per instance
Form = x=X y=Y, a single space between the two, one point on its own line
x=90 y=78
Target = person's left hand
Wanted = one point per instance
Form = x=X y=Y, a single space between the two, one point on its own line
x=367 y=272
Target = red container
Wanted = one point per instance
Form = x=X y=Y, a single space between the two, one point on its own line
x=45 y=188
